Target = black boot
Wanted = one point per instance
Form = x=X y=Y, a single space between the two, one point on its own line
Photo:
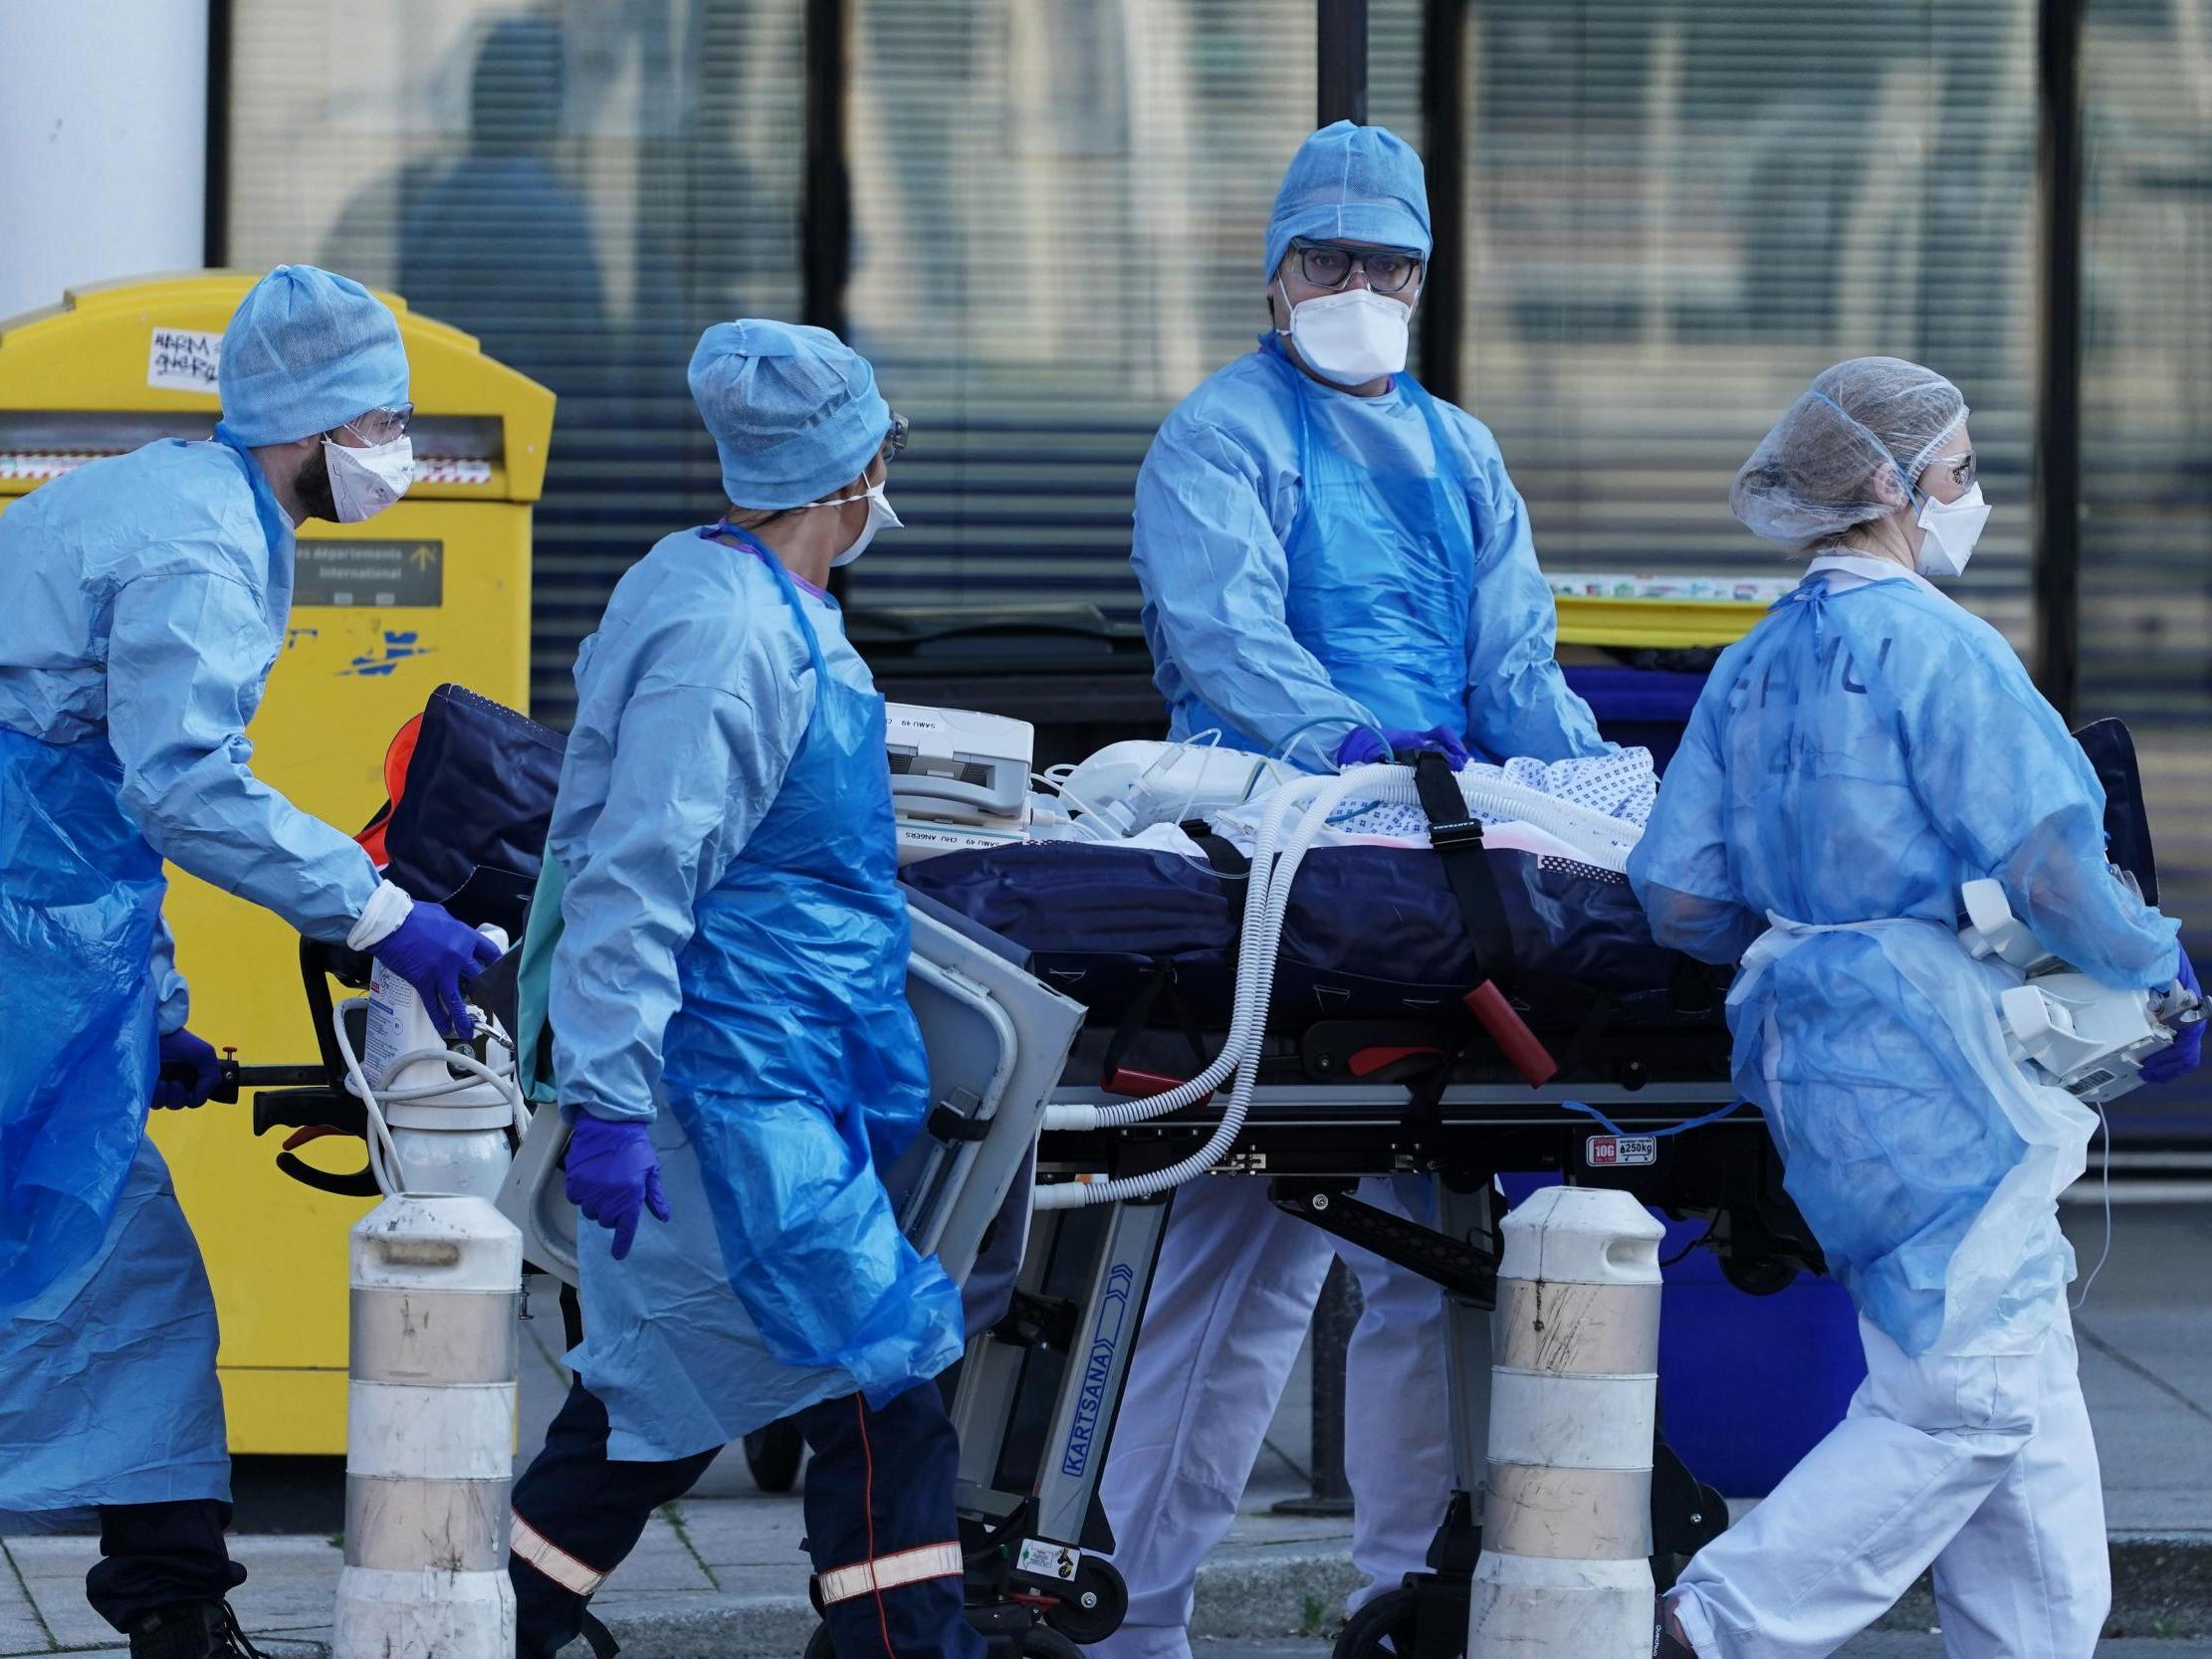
x=191 y=1630
x=1666 y=1645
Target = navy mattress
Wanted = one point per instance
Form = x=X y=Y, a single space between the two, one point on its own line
x=1371 y=933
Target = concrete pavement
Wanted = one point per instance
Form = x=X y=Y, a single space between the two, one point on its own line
x=721 y=1574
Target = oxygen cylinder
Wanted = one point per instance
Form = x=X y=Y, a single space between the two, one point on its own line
x=1567 y=1524
x=456 y=1140
x=429 y=1432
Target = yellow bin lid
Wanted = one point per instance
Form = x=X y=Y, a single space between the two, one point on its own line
x=117 y=364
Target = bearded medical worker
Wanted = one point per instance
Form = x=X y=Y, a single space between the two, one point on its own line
x=1866 y=750
x=143 y=603
x=1333 y=563
x=731 y=1038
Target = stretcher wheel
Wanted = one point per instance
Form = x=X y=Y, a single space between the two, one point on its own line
x=1757 y=1274
x=772 y=1454
x=1385 y=1629
x=1093 y=1606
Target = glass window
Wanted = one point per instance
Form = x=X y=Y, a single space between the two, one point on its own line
x=1680 y=213
x=1059 y=211
x=583 y=187
x=2147 y=433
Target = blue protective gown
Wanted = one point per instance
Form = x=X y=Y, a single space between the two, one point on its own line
x=735 y=948
x=1312 y=561
x=143 y=602
x=1864 y=753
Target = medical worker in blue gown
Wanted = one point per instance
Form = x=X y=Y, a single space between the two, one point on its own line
x=731 y=1038
x=1333 y=562
x=1870 y=748
x=143 y=603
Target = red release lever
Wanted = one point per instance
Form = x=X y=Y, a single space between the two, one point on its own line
x=1126 y=1080
x=1368 y=1061
x=1511 y=1034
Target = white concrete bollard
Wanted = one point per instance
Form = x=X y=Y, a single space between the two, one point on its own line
x=429 y=1432
x=1567 y=1516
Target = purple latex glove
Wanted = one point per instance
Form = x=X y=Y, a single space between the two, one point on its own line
x=1362 y=747
x=613 y=1173
x=187 y=1072
x=2186 y=1052
x=434 y=951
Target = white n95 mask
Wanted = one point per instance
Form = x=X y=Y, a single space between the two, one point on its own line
x=880 y=517
x=364 y=481
x=1351 y=338
x=1949 y=532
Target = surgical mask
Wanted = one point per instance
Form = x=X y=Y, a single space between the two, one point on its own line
x=364 y=481
x=1350 y=337
x=1949 y=532
x=880 y=517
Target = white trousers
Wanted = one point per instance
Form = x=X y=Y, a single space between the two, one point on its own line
x=1228 y=1310
x=1983 y=1469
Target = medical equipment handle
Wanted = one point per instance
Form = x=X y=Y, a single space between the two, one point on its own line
x=349 y=1184
x=231 y=1077
x=1510 y=1032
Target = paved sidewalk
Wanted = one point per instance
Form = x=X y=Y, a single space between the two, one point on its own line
x=722 y=1573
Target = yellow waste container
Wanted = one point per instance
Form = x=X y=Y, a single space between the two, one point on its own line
x=436 y=588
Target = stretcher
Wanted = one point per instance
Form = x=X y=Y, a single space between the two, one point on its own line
x=1431 y=1090
x=1622 y=1085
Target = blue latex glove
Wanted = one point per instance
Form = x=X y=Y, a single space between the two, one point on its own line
x=187 y=1072
x=2187 y=1049
x=1362 y=748
x=434 y=951
x=614 y=1173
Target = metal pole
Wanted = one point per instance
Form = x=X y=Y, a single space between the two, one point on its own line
x=1334 y=1315
x=825 y=216
x=2057 y=466
x=1443 y=126
x=1340 y=61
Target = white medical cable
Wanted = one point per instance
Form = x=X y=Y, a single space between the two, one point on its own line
x=384 y=1152
x=2106 y=1124
x=1264 y=909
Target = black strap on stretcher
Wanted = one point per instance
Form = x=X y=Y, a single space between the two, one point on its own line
x=1456 y=836
x=1118 y=1078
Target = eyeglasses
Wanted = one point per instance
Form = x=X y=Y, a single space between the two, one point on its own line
x=382 y=426
x=894 y=441
x=1962 y=468
x=1324 y=266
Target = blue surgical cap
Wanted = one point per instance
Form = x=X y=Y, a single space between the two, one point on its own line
x=794 y=411
x=306 y=351
x=1351 y=183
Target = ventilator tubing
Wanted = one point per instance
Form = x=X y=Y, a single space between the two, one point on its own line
x=1265 y=905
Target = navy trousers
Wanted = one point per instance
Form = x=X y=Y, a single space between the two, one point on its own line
x=154 y=1556
x=879 y=1525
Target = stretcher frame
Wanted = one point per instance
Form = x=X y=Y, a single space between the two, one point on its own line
x=1028 y=1481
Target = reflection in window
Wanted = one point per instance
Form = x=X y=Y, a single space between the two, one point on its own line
x=1058 y=216
x=583 y=187
x=1680 y=213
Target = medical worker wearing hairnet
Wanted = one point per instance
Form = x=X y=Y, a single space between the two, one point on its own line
x=731 y=1038
x=143 y=603
x=1869 y=749
x=1333 y=562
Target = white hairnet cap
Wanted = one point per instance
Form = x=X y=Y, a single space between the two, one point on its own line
x=1823 y=467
